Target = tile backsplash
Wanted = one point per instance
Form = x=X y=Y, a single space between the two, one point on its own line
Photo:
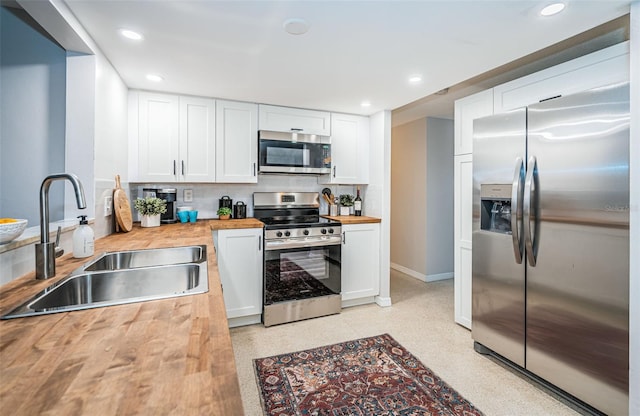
x=206 y=195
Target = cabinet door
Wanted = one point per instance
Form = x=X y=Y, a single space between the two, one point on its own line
x=349 y=150
x=360 y=268
x=466 y=110
x=158 y=137
x=294 y=120
x=604 y=67
x=463 y=209
x=236 y=142
x=197 y=140
x=239 y=255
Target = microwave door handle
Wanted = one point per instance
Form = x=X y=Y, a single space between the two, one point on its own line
x=516 y=206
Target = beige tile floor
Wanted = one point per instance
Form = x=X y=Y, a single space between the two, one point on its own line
x=421 y=319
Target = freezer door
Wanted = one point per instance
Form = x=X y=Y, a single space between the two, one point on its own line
x=497 y=270
x=578 y=291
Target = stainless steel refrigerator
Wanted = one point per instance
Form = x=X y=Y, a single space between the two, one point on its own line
x=551 y=242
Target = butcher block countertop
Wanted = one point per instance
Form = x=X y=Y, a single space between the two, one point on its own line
x=236 y=224
x=352 y=219
x=162 y=357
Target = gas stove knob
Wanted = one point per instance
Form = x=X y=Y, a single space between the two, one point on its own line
x=279 y=234
x=323 y=231
x=330 y=230
x=306 y=232
x=287 y=233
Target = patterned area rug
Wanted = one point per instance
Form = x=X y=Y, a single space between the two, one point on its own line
x=368 y=376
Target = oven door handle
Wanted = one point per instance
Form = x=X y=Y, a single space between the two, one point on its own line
x=285 y=244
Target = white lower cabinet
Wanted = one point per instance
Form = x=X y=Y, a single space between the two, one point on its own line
x=239 y=255
x=360 y=263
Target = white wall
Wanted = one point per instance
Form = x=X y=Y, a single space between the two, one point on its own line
x=377 y=202
x=634 y=231
x=32 y=78
x=409 y=198
x=439 y=210
x=422 y=199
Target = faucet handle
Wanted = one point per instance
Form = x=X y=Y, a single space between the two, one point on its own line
x=59 y=251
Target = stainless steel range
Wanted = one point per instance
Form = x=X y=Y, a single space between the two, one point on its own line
x=302 y=255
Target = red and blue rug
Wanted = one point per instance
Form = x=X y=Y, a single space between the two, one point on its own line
x=368 y=376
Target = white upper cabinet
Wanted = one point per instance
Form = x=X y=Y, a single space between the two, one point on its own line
x=175 y=138
x=197 y=140
x=236 y=142
x=158 y=137
x=294 y=120
x=604 y=67
x=349 y=150
x=466 y=110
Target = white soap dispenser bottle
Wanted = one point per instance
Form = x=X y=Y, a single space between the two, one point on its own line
x=83 y=239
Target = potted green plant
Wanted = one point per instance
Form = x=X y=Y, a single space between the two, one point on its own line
x=346 y=202
x=150 y=209
x=224 y=213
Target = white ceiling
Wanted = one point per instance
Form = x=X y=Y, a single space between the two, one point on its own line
x=353 y=51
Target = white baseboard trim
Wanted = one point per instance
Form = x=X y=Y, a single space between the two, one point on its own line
x=244 y=320
x=421 y=276
x=407 y=271
x=357 y=302
x=439 y=276
x=383 y=301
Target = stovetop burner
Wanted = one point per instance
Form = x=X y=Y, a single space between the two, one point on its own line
x=282 y=223
x=289 y=210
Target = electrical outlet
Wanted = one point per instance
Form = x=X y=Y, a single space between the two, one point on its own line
x=108 y=205
x=188 y=195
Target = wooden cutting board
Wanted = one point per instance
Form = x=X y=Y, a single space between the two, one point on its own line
x=122 y=207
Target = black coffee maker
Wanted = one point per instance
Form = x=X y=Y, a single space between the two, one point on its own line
x=226 y=202
x=169 y=196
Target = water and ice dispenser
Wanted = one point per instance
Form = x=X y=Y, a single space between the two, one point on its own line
x=495 y=207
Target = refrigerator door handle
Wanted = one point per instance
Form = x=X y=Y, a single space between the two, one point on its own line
x=516 y=206
x=530 y=209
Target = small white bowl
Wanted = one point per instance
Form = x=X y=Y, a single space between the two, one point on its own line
x=11 y=230
x=185 y=208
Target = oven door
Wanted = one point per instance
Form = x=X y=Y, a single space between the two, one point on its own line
x=294 y=153
x=301 y=273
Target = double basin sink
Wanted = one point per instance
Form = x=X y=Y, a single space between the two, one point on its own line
x=121 y=277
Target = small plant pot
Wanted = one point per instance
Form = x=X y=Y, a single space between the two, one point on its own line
x=344 y=210
x=150 y=221
x=225 y=217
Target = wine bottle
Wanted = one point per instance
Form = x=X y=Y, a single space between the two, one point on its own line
x=357 y=204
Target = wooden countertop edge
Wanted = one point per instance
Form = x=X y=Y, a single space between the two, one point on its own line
x=235 y=224
x=165 y=356
x=352 y=219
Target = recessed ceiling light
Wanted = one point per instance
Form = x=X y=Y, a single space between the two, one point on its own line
x=130 y=34
x=415 y=79
x=154 y=78
x=296 y=26
x=551 y=9
x=366 y=104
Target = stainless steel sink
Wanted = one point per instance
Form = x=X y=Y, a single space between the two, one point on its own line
x=144 y=258
x=84 y=288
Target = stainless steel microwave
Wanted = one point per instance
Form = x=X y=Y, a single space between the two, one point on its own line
x=294 y=153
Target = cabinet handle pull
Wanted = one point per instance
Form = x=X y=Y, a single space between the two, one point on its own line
x=334 y=171
x=344 y=237
x=254 y=168
x=174 y=166
x=259 y=243
x=296 y=129
x=182 y=162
